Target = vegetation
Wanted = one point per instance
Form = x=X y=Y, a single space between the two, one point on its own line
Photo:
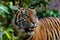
x=7 y=10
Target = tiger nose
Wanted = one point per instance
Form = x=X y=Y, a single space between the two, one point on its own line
x=31 y=24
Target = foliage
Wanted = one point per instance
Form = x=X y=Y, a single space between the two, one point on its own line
x=6 y=28
x=42 y=11
x=47 y=13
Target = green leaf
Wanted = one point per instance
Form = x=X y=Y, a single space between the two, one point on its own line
x=7 y=33
x=4 y=8
x=1 y=33
x=25 y=5
x=3 y=15
x=13 y=8
x=49 y=0
x=10 y=3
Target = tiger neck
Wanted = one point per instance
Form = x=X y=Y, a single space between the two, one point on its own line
x=29 y=35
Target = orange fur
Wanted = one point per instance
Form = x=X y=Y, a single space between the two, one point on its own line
x=48 y=28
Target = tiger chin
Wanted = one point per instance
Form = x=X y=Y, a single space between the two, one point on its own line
x=28 y=27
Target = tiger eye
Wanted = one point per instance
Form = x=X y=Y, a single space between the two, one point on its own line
x=24 y=16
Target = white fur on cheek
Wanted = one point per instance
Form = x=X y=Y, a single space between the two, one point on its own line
x=22 y=32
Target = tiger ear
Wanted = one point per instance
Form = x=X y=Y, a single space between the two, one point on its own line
x=35 y=8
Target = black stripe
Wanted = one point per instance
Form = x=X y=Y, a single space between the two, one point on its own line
x=19 y=20
x=26 y=37
x=52 y=26
x=46 y=28
x=16 y=18
x=51 y=29
x=51 y=38
x=56 y=26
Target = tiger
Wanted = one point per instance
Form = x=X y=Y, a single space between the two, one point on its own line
x=28 y=27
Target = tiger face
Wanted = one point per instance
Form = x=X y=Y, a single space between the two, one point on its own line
x=25 y=19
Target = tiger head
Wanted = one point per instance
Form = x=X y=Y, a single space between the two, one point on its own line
x=25 y=20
